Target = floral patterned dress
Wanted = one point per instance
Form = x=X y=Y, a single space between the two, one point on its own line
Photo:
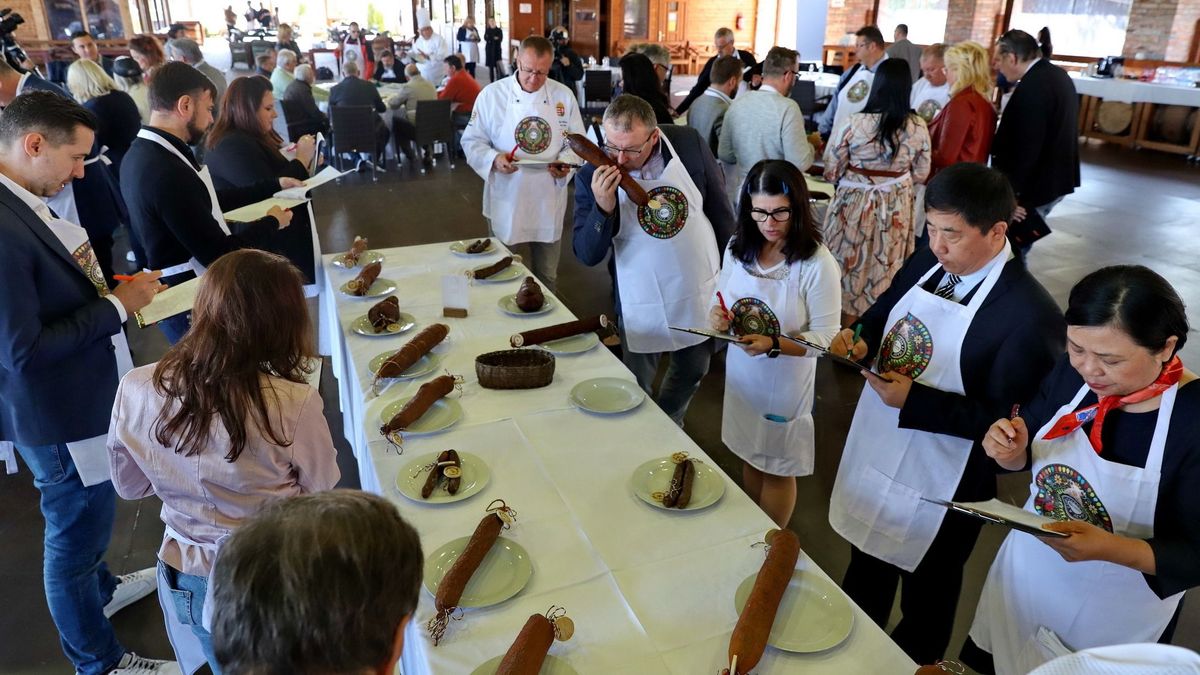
x=869 y=225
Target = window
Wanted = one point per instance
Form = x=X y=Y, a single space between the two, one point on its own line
x=1077 y=27
x=104 y=19
x=636 y=19
x=926 y=19
x=67 y=16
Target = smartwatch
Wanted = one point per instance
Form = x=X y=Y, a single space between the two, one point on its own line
x=774 y=353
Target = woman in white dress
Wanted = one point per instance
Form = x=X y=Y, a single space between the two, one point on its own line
x=777 y=278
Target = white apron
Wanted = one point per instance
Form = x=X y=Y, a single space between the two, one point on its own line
x=853 y=97
x=188 y=652
x=885 y=470
x=927 y=100
x=469 y=49
x=757 y=385
x=667 y=262
x=63 y=203
x=193 y=265
x=529 y=204
x=1086 y=604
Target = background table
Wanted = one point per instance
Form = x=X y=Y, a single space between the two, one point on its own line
x=650 y=591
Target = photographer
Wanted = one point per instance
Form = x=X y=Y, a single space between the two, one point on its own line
x=567 y=67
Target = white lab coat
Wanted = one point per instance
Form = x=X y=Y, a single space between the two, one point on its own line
x=436 y=49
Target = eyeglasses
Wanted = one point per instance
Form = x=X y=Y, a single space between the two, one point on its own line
x=780 y=215
x=530 y=71
x=629 y=152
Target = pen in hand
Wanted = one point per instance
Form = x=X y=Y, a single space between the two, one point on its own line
x=857 y=336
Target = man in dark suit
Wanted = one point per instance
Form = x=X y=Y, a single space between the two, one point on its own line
x=304 y=117
x=724 y=42
x=962 y=334
x=13 y=83
x=1037 y=142
x=60 y=335
x=85 y=47
x=353 y=90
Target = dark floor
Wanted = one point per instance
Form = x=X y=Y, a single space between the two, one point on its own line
x=1133 y=208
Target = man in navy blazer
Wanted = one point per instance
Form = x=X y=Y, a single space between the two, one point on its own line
x=58 y=370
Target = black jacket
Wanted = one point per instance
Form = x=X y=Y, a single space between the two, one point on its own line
x=119 y=124
x=704 y=81
x=1012 y=343
x=239 y=161
x=356 y=91
x=1037 y=144
x=493 y=40
x=170 y=210
x=308 y=117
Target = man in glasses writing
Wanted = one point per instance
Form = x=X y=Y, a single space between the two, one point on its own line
x=515 y=142
x=666 y=255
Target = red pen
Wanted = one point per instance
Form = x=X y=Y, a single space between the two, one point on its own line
x=123 y=277
x=513 y=155
x=725 y=309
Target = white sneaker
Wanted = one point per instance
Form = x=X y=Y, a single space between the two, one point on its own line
x=130 y=589
x=132 y=664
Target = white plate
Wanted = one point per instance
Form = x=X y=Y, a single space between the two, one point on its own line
x=576 y=344
x=655 y=476
x=551 y=666
x=475 y=476
x=365 y=259
x=510 y=273
x=424 y=365
x=460 y=248
x=813 y=616
x=362 y=326
x=607 y=395
x=380 y=287
x=508 y=305
x=505 y=570
x=441 y=416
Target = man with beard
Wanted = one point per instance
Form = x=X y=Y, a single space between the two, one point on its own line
x=173 y=207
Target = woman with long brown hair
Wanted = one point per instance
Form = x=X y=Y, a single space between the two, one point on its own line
x=244 y=149
x=148 y=52
x=223 y=423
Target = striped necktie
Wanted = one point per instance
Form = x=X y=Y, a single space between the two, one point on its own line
x=946 y=290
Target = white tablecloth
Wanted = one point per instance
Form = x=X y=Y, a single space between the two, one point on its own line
x=1132 y=91
x=826 y=83
x=650 y=591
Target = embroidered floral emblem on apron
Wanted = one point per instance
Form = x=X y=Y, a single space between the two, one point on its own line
x=752 y=316
x=928 y=109
x=86 y=259
x=858 y=91
x=1064 y=494
x=667 y=220
x=907 y=348
x=533 y=135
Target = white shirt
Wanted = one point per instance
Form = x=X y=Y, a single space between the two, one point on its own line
x=21 y=85
x=717 y=93
x=39 y=207
x=432 y=69
x=968 y=282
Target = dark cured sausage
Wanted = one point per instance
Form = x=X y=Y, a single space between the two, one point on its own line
x=528 y=651
x=583 y=146
x=427 y=395
x=749 y=638
x=558 y=331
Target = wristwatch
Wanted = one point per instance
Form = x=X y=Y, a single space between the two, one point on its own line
x=774 y=353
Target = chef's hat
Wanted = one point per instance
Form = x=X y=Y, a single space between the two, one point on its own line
x=423 y=18
x=1133 y=659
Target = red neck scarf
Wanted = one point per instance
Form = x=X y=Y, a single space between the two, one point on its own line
x=1169 y=377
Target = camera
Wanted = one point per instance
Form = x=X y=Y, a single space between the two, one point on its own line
x=9 y=20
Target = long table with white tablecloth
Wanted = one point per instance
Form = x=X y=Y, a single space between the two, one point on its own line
x=649 y=590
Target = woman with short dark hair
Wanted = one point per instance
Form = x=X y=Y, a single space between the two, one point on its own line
x=1113 y=443
x=875 y=158
x=639 y=78
x=224 y=423
x=777 y=279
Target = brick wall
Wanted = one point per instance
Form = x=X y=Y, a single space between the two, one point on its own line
x=1150 y=21
x=846 y=19
x=702 y=19
x=1186 y=14
x=35 y=28
x=972 y=20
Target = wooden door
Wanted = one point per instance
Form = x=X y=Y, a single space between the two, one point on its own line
x=671 y=23
x=525 y=18
x=585 y=28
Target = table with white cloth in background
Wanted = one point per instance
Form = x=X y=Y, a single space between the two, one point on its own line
x=826 y=83
x=650 y=591
x=1142 y=100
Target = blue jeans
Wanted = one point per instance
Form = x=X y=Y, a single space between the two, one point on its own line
x=79 y=523
x=187 y=597
x=687 y=367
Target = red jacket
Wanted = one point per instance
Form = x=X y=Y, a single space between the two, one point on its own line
x=462 y=89
x=962 y=131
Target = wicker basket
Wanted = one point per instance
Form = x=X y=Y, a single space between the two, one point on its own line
x=515 y=369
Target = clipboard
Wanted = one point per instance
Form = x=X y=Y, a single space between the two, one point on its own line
x=836 y=358
x=727 y=337
x=175 y=300
x=1000 y=513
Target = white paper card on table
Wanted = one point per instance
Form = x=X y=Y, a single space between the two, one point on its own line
x=455 y=291
x=252 y=212
x=175 y=300
x=327 y=174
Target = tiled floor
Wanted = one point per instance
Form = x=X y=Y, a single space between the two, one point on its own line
x=1133 y=208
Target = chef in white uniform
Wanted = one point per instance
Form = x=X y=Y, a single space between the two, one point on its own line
x=855 y=85
x=929 y=95
x=525 y=118
x=776 y=278
x=429 y=50
x=1112 y=442
x=964 y=332
x=665 y=254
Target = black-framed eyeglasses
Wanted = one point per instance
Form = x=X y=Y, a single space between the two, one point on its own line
x=779 y=215
x=530 y=71
x=629 y=152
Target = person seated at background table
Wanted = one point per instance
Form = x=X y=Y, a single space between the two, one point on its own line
x=388 y=69
x=215 y=449
x=309 y=118
x=149 y=54
x=963 y=331
x=355 y=91
x=778 y=279
x=264 y=64
x=1113 y=442
x=460 y=88
x=84 y=46
x=323 y=583
x=725 y=45
x=404 y=125
x=285 y=39
x=665 y=262
x=244 y=149
x=286 y=61
x=638 y=79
